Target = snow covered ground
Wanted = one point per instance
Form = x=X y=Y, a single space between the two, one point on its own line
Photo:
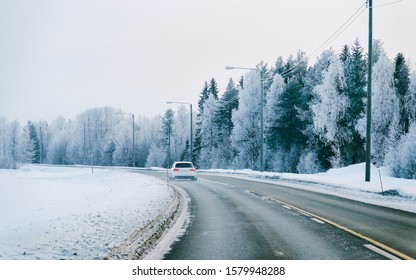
x=68 y=213
x=346 y=182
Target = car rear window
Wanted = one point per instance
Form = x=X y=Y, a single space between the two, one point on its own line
x=184 y=165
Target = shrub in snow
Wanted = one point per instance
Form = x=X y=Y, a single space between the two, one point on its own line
x=156 y=156
x=308 y=163
x=281 y=160
x=402 y=159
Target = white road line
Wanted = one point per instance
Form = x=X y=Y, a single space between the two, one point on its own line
x=381 y=252
x=220 y=183
x=305 y=214
x=287 y=207
x=318 y=221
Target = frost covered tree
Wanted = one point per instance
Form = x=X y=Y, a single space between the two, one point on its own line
x=245 y=137
x=272 y=116
x=384 y=109
x=42 y=129
x=329 y=107
x=156 y=156
x=59 y=142
x=316 y=148
x=208 y=133
x=402 y=159
x=5 y=158
x=11 y=148
x=181 y=128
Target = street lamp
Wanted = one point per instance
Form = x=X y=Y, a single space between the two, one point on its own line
x=132 y=115
x=261 y=111
x=190 y=135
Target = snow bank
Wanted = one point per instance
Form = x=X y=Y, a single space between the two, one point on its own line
x=346 y=182
x=68 y=213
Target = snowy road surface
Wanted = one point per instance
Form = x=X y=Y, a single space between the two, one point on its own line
x=68 y=213
x=238 y=219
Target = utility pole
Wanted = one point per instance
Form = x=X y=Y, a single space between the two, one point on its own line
x=370 y=59
x=261 y=123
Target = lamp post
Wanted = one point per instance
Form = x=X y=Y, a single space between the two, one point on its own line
x=261 y=112
x=190 y=135
x=133 y=154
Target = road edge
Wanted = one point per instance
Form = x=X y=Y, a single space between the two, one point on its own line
x=154 y=239
x=173 y=232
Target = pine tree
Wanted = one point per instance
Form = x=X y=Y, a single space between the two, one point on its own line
x=245 y=137
x=224 y=125
x=185 y=153
x=34 y=147
x=197 y=143
x=167 y=132
x=355 y=72
x=202 y=97
x=285 y=132
x=241 y=83
x=345 y=54
x=213 y=89
x=272 y=119
x=410 y=99
x=384 y=109
x=227 y=103
x=401 y=83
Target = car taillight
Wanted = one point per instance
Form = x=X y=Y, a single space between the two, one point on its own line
x=175 y=169
x=192 y=169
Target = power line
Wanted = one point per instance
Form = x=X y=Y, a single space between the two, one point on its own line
x=335 y=35
x=341 y=29
x=388 y=4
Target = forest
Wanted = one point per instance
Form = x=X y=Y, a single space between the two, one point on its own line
x=314 y=119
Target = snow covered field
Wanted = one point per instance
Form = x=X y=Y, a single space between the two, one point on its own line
x=68 y=213
x=346 y=182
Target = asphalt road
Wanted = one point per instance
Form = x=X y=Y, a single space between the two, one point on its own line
x=238 y=219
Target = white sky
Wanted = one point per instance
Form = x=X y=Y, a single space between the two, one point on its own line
x=62 y=57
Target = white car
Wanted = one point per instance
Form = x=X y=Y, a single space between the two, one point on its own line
x=183 y=170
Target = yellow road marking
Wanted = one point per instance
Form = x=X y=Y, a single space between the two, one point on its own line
x=374 y=242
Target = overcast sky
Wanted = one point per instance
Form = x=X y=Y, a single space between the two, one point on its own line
x=62 y=57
